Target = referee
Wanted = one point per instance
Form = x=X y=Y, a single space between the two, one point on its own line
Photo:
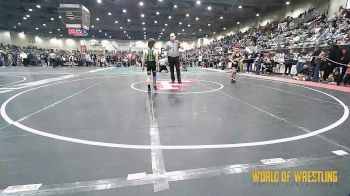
x=172 y=48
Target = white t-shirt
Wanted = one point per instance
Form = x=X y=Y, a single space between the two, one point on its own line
x=23 y=55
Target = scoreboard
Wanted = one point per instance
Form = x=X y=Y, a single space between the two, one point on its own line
x=76 y=17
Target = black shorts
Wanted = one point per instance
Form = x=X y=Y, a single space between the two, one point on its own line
x=235 y=65
x=151 y=67
x=323 y=66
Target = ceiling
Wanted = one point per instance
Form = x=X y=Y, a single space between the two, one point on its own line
x=224 y=14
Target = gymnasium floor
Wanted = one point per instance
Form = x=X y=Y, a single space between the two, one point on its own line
x=89 y=131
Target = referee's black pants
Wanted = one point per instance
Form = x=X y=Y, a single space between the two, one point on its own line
x=174 y=62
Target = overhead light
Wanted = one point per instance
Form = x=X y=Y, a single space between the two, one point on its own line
x=116 y=22
x=124 y=32
x=189 y=25
x=169 y=17
x=37 y=28
x=30 y=9
x=92 y=26
x=200 y=29
x=19 y=24
x=142 y=15
x=209 y=8
x=287 y=2
x=144 y=33
x=157 y=13
x=50 y=32
x=100 y=31
x=163 y=29
x=60 y=17
x=175 y=6
x=28 y=16
x=208 y=25
x=257 y=15
x=160 y=0
x=61 y=35
x=206 y=35
x=38 y=6
x=110 y=36
x=109 y=13
x=161 y=33
x=165 y=24
x=238 y=23
x=240 y=7
x=143 y=23
x=99 y=1
x=198 y=2
x=144 y=29
x=180 y=23
x=187 y=15
x=224 y=28
x=221 y=17
x=124 y=10
x=214 y=32
x=24 y=18
x=128 y=20
x=121 y=27
x=183 y=29
x=93 y=36
x=141 y=3
x=58 y=29
x=44 y=25
x=197 y=18
x=52 y=19
x=97 y=19
x=155 y=22
x=105 y=34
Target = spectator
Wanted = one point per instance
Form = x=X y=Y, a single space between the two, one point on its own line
x=319 y=62
x=289 y=58
x=347 y=75
x=335 y=56
x=344 y=59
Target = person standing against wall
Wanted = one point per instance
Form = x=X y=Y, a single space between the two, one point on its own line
x=172 y=48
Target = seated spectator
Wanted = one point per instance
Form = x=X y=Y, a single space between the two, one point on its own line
x=335 y=77
x=304 y=73
x=347 y=75
x=267 y=65
x=302 y=58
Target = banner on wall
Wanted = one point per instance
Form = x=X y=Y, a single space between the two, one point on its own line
x=95 y=43
x=77 y=32
x=83 y=48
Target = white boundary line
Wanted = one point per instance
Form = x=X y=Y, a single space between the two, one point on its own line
x=217 y=70
x=57 y=102
x=170 y=147
x=102 y=69
x=158 y=166
x=173 y=176
x=23 y=79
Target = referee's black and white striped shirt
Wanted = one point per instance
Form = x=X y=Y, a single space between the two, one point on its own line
x=172 y=49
